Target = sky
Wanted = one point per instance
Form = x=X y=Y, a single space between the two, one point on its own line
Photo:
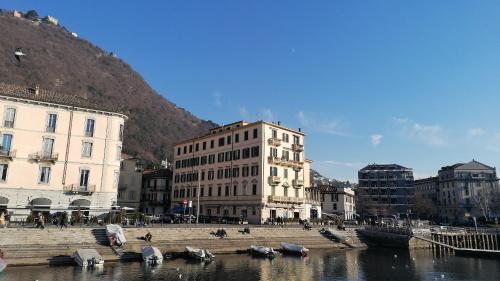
x=415 y=83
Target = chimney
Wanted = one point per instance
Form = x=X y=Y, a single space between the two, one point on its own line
x=300 y=130
x=279 y=122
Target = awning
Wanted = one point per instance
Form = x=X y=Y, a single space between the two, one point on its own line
x=4 y=201
x=41 y=202
x=80 y=203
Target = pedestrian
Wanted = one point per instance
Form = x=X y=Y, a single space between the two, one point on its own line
x=2 y=220
x=42 y=221
x=63 y=220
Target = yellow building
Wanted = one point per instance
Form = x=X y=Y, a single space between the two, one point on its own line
x=253 y=171
x=57 y=152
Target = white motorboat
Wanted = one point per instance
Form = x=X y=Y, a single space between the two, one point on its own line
x=88 y=258
x=199 y=254
x=152 y=255
x=267 y=252
x=294 y=249
x=115 y=235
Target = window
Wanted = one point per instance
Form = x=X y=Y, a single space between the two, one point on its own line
x=273 y=152
x=229 y=155
x=87 y=149
x=273 y=190
x=286 y=155
x=6 y=144
x=219 y=190
x=202 y=191
x=227 y=190
x=245 y=136
x=255 y=133
x=296 y=192
x=84 y=177
x=197 y=147
x=89 y=128
x=254 y=189
x=190 y=148
x=131 y=195
x=212 y=144
x=3 y=172
x=10 y=115
x=178 y=151
x=227 y=172
x=246 y=153
x=220 y=157
x=285 y=137
x=204 y=145
x=273 y=171
x=47 y=147
x=255 y=171
x=285 y=173
x=185 y=149
x=285 y=191
x=236 y=172
x=296 y=156
x=228 y=139
x=51 y=123
x=245 y=171
x=220 y=174
x=209 y=191
x=116 y=179
x=237 y=138
x=118 y=153
x=120 y=133
x=236 y=154
x=274 y=133
x=235 y=193
x=296 y=139
x=221 y=141
x=255 y=151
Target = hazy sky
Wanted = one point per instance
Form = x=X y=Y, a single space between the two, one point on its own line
x=410 y=82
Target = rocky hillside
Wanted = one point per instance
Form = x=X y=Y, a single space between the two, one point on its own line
x=57 y=60
x=317 y=178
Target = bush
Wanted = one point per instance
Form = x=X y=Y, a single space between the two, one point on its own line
x=31 y=15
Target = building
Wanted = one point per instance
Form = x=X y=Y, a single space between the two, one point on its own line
x=156 y=191
x=129 y=186
x=465 y=191
x=51 y=19
x=254 y=171
x=335 y=200
x=58 y=152
x=426 y=191
x=385 y=190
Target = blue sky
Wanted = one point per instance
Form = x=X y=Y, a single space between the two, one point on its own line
x=409 y=82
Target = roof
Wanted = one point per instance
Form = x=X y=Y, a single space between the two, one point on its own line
x=385 y=167
x=157 y=173
x=41 y=95
x=472 y=165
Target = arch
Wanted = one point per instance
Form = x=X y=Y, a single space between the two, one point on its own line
x=84 y=203
x=4 y=201
x=41 y=202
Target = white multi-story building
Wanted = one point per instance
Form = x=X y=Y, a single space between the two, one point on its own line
x=58 y=152
x=254 y=171
x=340 y=202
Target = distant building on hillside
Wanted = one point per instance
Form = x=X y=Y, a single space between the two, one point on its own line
x=252 y=171
x=385 y=190
x=130 y=184
x=57 y=152
x=50 y=19
x=466 y=190
x=156 y=191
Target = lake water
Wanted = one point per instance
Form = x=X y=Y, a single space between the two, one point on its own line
x=371 y=264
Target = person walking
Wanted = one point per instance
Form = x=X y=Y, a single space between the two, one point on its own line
x=64 y=220
x=2 y=220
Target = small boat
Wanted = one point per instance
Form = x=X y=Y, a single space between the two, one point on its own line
x=334 y=234
x=199 y=254
x=294 y=249
x=115 y=235
x=88 y=258
x=267 y=252
x=152 y=255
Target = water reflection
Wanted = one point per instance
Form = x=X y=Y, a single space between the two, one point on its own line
x=380 y=264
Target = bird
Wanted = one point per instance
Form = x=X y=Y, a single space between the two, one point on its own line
x=18 y=53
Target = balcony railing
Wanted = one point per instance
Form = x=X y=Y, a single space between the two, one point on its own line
x=298 y=183
x=274 y=180
x=43 y=156
x=9 y=154
x=77 y=189
x=8 y=124
x=298 y=147
x=285 y=199
x=274 y=141
x=274 y=160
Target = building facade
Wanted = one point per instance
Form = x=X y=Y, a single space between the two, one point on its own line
x=339 y=201
x=465 y=191
x=130 y=184
x=426 y=191
x=156 y=191
x=57 y=152
x=254 y=171
x=385 y=190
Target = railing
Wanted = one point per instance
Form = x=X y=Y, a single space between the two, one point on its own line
x=274 y=160
x=298 y=183
x=274 y=180
x=44 y=156
x=77 y=189
x=285 y=199
x=7 y=153
x=8 y=124
x=297 y=147
x=274 y=141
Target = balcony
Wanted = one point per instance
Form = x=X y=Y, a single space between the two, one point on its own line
x=274 y=180
x=77 y=189
x=274 y=160
x=298 y=183
x=43 y=156
x=274 y=141
x=298 y=147
x=297 y=165
x=7 y=154
x=285 y=199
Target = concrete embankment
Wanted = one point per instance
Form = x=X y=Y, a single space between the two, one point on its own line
x=26 y=246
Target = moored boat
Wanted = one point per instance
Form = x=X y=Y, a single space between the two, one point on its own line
x=88 y=258
x=199 y=254
x=267 y=252
x=152 y=255
x=294 y=249
x=3 y=264
x=115 y=235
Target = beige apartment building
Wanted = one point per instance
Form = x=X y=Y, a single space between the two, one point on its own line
x=130 y=183
x=58 y=152
x=254 y=171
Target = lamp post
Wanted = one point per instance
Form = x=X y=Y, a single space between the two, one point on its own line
x=198 y=200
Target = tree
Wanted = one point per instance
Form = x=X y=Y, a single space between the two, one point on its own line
x=487 y=201
x=31 y=15
x=426 y=208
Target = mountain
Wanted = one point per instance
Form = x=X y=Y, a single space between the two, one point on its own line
x=318 y=179
x=57 y=60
